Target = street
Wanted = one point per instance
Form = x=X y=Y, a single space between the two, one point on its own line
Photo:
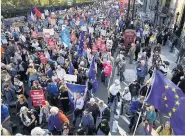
x=130 y=75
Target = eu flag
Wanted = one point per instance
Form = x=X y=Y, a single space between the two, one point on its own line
x=168 y=98
x=65 y=37
x=81 y=45
x=92 y=75
x=71 y=68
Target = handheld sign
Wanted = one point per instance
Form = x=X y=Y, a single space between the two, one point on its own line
x=37 y=97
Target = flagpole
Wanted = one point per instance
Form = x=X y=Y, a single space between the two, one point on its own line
x=143 y=103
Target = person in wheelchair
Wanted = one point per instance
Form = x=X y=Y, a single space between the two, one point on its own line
x=126 y=99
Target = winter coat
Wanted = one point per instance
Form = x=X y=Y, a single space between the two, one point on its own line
x=151 y=116
x=134 y=89
x=121 y=66
x=94 y=109
x=87 y=122
x=57 y=121
x=182 y=85
x=143 y=90
x=176 y=76
x=9 y=97
x=142 y=71
x=132 y=50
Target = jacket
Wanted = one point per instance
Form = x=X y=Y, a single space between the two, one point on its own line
x=52 y=89
x=134 y=89
x=121 y=66
x=135 y=106
x=87 y=122
x=94 y=109
x=142 y=71
x=182 y=85
x=57 y=121
x=9 y=97
x=151 y=116
x=143 y=90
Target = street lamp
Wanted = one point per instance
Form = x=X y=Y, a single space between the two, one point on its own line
x=175 y=26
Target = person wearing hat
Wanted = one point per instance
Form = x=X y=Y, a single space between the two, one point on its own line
x=87 y=122
x=165 y=130
x=93 y=108
x=126 y=98
x=113 y=93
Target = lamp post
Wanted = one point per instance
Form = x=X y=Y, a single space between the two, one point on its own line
x=133 y=9
x=128 y=9
x=175 y=26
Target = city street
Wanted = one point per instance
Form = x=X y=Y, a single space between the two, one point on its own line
x=130 y=75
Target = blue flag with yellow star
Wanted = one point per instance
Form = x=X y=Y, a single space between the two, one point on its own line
x=169 y=99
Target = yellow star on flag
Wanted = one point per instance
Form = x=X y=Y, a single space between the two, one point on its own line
x=174 y=110
x=176 y=96
x=166 y=86
x=173 y=89
x=170 y=114
x=165 y=98
x=177 y=103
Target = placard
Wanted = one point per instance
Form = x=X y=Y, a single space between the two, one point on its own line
x=37 y=97
x=50 y=31
x=71 y=78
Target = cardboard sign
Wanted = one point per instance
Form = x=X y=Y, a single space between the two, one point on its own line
x=50 y=31
x=37 y=97
x=71 y=78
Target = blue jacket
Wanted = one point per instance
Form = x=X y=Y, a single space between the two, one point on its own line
x=54 y=122
x=143 y=72
x=87 y=121
x=151 y=116
x=136 y=105
x=53 y=89
x=4 y=112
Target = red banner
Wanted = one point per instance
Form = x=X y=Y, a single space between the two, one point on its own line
x=37 y=97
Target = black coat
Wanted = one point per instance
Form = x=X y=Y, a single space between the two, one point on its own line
x=176 y=76
x=134 y=89
x=182 y=85
x=143 y=91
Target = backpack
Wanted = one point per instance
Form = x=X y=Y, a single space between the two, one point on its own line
x=106 y=113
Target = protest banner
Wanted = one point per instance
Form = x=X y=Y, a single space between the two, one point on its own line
x=70 y=78
x=50 y=31
x=37 y=97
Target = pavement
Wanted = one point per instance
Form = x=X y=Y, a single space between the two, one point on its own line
x=130 y=75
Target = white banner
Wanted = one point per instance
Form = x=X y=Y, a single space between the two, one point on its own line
x=71 y=78
x=50 y=31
